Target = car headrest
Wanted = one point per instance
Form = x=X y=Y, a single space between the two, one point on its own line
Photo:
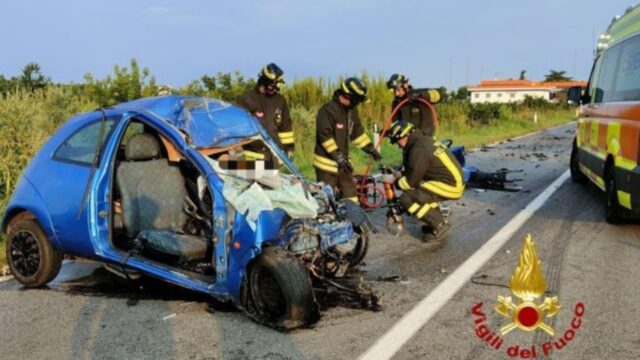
x=142 y=147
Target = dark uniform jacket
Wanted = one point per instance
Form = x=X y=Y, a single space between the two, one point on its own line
x=430 y=166
x=417 y=112
x=273 y=113
x=336 y=125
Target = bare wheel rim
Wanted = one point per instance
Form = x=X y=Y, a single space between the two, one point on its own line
x=25 y=253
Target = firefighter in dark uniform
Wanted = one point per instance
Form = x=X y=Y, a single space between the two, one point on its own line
x=415 y=112
x=337 y=124
x=267 y=104
x=430 y=174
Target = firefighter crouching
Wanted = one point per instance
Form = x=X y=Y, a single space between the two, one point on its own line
x=415 y=112
x=267 y=104
x=337 y=124
x=431 y=174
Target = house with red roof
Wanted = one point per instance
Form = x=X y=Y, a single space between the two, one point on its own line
x=513 y=90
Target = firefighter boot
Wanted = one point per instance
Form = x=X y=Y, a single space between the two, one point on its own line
x=436 y=232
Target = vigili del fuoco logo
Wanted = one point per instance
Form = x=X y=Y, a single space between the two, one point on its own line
x=528 y=312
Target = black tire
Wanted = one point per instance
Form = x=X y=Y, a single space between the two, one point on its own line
x=576 y=175
x=278 y=291
x=613 y=210
x=32 y=259
x=362 y=247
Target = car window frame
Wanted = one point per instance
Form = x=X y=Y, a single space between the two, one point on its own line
x=91 y=122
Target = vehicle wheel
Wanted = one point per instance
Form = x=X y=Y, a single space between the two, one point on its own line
x=32 y=259
x=613 y=210
x=395 y=227
x=362 y=247
x=576 y=175
x=279 y=291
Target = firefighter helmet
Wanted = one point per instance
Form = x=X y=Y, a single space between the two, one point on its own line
x=399 y=129
x=396 y=80
x=354 y=89
x=271 y=74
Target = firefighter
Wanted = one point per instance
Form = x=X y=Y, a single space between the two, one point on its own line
x=415 y=112
x=267 y=104
x=430 y=174
x=337 y=124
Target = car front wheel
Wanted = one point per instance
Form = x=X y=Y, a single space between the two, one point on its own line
x=32 y=259
x=278 y=291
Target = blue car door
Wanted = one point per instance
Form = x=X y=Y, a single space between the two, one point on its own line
x=63 y=181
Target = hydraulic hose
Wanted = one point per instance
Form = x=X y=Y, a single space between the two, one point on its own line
x=385 y=127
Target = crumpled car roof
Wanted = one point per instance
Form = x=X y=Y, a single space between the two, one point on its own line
x=208 y=122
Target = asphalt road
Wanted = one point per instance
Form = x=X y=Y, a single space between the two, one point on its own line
x=584 y=260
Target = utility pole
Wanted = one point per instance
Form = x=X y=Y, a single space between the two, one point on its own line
x=450 y=66
x=575 y=56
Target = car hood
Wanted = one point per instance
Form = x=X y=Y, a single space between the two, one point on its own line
x=207 y=122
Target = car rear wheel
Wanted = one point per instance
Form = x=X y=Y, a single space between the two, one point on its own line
x=613 y=210
x=278 y=291
x=32 y=259
x=574 y=167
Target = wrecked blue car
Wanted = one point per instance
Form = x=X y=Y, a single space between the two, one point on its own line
x=164 y=187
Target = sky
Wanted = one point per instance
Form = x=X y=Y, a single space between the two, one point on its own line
x=434 y=43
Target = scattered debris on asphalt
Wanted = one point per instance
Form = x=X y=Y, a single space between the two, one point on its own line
x=393 y=278
x=491 y=212
x=169 y=316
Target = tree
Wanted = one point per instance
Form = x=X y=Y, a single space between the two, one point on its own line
x=32 y=78
x=557 y=75
x=523 y=74
x=461 y=94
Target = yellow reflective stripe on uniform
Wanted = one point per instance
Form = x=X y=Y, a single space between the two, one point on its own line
x=325 y=164
x=362 y=141
x=624 y=198
x=413 y=208
x=434 y=96
x=353 y=198
x=330 y=145
x=425 y=209
x=286 y=138
x=404 y=184
x=250 y=155
x=455 y=193
x=440 y=188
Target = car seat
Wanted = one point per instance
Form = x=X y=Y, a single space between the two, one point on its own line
x=152 y=194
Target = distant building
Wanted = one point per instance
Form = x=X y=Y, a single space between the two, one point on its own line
x=511 y=90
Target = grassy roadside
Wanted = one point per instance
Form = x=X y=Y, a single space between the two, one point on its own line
x=470 y=137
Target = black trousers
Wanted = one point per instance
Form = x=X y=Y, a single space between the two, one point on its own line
x=343 y=180
x=424 y=205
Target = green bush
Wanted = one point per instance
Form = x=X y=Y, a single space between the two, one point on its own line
x=27 y=119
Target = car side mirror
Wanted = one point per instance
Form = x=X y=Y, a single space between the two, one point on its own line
x=574 y=95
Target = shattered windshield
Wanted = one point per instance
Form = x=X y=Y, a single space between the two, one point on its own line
x=210 y=122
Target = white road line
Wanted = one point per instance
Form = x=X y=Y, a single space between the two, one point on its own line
x=415 y=319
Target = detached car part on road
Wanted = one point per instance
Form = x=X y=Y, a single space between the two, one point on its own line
x=161 y=186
